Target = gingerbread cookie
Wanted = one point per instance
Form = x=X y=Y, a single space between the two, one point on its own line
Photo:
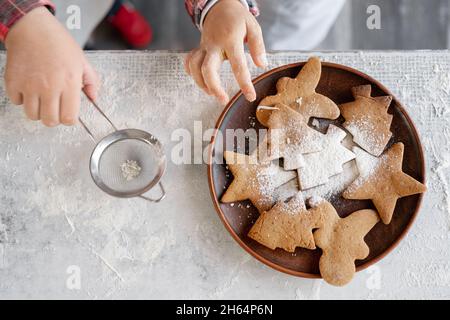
x=320 y=166
x=254 y=179
x=287 y=225
x=342 y=242
x=367 y=119
x=382 y=180
x=290 y=137
x=300 y=94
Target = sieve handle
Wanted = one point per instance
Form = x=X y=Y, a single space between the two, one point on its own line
x=87 y=129
x=163 y=195
x=83 y=124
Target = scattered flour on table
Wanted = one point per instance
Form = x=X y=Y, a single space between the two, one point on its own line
x=3 y=239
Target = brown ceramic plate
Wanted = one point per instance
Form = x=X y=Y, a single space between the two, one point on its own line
x=335 y=83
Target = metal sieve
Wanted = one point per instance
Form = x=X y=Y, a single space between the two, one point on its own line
x=115 y=149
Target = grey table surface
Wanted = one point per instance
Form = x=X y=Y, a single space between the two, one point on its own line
x=61 y=237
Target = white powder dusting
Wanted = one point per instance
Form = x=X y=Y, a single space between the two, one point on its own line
x=130 y=170
x=336 y=184
x=364 y=135
x=3 y=239
x=329 y=191
x=315 y=200
x=366 y=162
x=287 y=190
x=436 y=68
x=271 y=177
x=339 y=182
x=440 y=171
x=2 y=256
x=295 y=139
x=367 y=166
x=319 y=166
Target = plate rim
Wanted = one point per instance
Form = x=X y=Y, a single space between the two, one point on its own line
x=216 y=200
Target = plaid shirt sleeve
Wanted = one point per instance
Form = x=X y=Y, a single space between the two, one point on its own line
x=198 y=9
x=12 y=10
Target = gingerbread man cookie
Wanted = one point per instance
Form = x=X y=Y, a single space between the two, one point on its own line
x=287 y=225
x=367 y=119
x=320 y=166
x=342 y=242
x=290 y=137
x=382 y=180
x=300 y=94
x=254 y=179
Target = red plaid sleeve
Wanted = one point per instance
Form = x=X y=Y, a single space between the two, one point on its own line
x=198 y=9
x=12 y=10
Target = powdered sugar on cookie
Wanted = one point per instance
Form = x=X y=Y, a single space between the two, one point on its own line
x=321 y=165
x=367 y=119
x=333 y=188
x=367 y=165
x=363 y=130
x=290 y=137
x=287 y=225
x=254 y=180
x=300 y=94
x=383 y=181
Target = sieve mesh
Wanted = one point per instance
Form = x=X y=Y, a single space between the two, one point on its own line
x=112 y=159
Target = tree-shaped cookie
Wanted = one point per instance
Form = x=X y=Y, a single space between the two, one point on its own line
x=290 y=137
x=300 y=94
x=342 y=242
x=382 y=180
x=254 y=179
x=287 y=225
x=319 y=166
x=368 y=120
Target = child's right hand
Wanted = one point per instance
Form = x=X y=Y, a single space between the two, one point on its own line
x=46 y=69
x=226 y=27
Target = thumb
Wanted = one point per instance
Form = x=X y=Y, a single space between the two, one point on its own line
x=255 y=44
x=91 y=81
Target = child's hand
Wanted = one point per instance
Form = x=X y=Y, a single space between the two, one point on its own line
x=225 y=29
x=46 y=69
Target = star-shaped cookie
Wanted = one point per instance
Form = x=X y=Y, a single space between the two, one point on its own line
x=367 y=119
x=287 y=225
x=289 y=137
x=300 y=94
x=319 y=166
x=382 y=180
x=342 y=242
x=254 y=179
